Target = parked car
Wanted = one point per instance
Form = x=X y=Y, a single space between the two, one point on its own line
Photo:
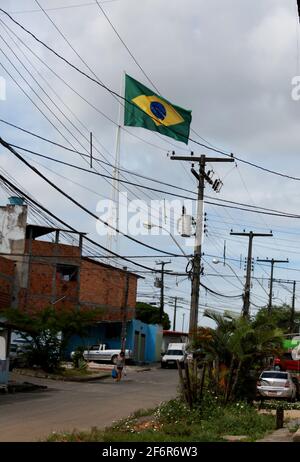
x=276 y=384
x=17 y=354
x=295 y=379
x=287 y=363
x=176 y=352
x=101 y=352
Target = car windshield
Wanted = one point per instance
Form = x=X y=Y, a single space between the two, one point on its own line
x=174 y=352
x=274 y=375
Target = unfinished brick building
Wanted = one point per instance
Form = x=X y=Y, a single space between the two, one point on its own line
x=36 y=273
x=7 y=271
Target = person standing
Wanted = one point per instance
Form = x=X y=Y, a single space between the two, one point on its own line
x=120 y=363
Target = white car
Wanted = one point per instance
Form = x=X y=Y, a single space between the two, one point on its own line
x=101 y=352
x=176 y=352
x=276 y=384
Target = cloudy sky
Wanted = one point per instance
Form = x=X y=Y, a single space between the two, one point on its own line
x=230 y=62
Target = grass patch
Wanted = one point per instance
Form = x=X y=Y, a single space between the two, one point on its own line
x=173 y=421
x=94 y=435
x=76 y=373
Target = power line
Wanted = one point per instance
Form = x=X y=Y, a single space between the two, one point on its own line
x=16 y=154
x=50 y=109
x=23 y=194
x=256 y=209
x=80 y=5
x=117 y=95
x=77 y=93
x=217 y=293
x=122 y=41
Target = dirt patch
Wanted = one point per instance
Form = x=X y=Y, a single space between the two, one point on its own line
x=146 y=423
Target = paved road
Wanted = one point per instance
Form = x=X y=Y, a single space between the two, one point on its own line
x=31 y=416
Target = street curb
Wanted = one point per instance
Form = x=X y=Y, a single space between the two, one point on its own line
x=61 y=378
x=87 y=379
x=296 y=437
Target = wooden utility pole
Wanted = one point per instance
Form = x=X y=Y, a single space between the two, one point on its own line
x=251 y=235
x=175 y=309
x=292 y=317
x=162 y=272
x=272 y=262
x=124 y=312
x=201 y=177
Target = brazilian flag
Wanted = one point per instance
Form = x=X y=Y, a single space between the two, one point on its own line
x=144 y=108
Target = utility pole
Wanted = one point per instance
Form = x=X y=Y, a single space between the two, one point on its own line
x=175 y=308
x=292 y=317
x=201 y=177
x=161 y=310
x=272 y=262
x=251 y=235
x=124 y=312
x=183 y=315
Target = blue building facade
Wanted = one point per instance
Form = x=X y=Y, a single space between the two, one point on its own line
x=145 y=340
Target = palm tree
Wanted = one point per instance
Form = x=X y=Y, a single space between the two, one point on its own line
x=238 y=345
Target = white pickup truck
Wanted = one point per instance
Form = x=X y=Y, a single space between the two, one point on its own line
x=101 y=352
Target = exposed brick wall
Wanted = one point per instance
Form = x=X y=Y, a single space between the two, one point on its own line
x=104 y=286
x=7 y=268
x=50 y=248
x=45 y=284
x=100 y=286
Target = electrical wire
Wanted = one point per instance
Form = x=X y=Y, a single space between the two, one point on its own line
x=120 y=97
x=16 y=154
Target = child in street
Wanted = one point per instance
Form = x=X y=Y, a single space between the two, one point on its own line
x=120 y=363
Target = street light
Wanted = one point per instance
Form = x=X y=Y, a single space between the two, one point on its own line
x=149 y=226
x=216 y=262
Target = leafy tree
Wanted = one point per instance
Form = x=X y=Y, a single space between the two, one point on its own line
x=48 y=332
x=150 y=315
x=280 y=317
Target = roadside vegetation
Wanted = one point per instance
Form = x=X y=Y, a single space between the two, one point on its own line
x=217 y=394
x=173 y=421
x=47 y=334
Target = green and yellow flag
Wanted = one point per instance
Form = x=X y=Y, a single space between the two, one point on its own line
x=144 y=108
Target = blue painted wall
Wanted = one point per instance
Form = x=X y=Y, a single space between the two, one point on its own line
x=110 y=333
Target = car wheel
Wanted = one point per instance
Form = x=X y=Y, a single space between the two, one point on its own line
x=114 y=359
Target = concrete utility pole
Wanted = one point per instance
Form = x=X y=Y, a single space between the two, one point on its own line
x=161 y=310
x=272 y=262
x=201 y=177
x=251 y=235
x=175 y=309
x=292 y=317
x=124 y=312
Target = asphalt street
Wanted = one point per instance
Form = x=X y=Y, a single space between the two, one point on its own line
x=32 y=416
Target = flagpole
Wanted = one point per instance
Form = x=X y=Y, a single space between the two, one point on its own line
x=113 y=238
